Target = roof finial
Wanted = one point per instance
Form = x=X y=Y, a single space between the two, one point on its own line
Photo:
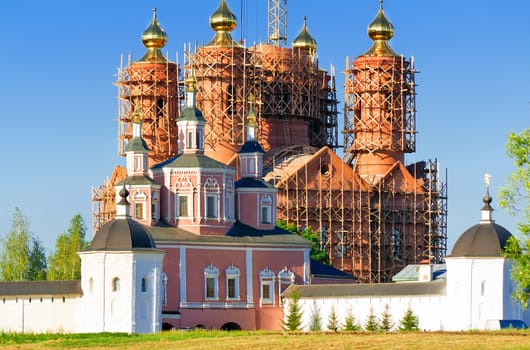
x=487 y=209
x=381 y=4
x=122 y=207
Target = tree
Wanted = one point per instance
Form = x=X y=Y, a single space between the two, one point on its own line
x=515 y=197
x=315 y=323
x=293 y=321
x=371 y=324
x=22 y=257
x=333 y=320
x=409 y=322
x=386 y=319
x=350 y=323
x=65 y=264
x=316 y=252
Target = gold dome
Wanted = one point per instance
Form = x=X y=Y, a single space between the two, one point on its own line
x=380 y=31
x=223 y=22
x=304 y=40
x=154 y=38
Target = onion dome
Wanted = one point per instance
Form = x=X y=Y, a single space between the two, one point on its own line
x=122 y=233
x=380 y=31
x=223 y=22
x=486 y=239
x=154 y=38
x=305 y=41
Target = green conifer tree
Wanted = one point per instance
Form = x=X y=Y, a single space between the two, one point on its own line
x=333 y=321
x=409 y=322
x=371 y=324
x=293 y=321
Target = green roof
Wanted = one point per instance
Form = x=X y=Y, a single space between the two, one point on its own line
x=192 y=113
x=192 y=161
x=136 y=144
x=137 y=180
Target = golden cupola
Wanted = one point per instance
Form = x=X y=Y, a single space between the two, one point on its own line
x=380 y=31
x=223 y=22
x=304 y=40
x=154 y=38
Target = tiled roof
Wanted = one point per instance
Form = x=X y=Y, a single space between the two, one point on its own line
x=28 y=288
x=192 y=113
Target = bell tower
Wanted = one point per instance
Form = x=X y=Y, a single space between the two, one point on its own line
x=149 y=86
x=379 y=108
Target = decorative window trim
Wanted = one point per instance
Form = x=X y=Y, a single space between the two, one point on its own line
x=214 y=212
x=265 y=214
x=139 y=210
x=266 y=279
x=211 y=272
x=179 y=212
x=285 y=278
x=232 y=273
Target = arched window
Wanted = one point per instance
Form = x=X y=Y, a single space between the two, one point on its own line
x=144 y=285
x=116 y=284
x=266 y=280
x=396 y=243
x=211 y=279
x=285 y=279
x=91 y=285
x=232 y=282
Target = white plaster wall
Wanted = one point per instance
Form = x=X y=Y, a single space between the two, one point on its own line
x=428 y=309
x=147 y=305
x=40 y=314
x=458 y=310
x=106 y=310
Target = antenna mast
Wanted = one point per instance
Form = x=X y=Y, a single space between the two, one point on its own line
x=278 y=22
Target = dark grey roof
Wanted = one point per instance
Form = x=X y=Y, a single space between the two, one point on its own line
x=251 y=146
x=249 y=182
x=136 y=144
x=192 y=113
x=482 y=240
x=122 y=234
x=244 y=235
x=325 y=271
x=192 y=161
x=368 y=290
x=136 y=180
x=40 y=288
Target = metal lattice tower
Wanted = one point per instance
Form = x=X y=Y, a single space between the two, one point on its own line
x=277 y=23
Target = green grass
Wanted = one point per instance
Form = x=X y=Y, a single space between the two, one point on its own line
x=240 y=340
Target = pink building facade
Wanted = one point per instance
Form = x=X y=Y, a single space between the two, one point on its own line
x=226 y=261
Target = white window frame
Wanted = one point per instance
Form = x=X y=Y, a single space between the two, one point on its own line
x=179 y=213
x=285 y=279
x=211 y=272
x=215 y=210
x=266 y=279
x=232 y=273
x=265 y=214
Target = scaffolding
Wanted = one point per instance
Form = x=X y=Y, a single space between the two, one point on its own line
x=104 y=199
x=152 y=89
x=379 y=108
x=295 y=100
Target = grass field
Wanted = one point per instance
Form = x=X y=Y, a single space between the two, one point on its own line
x=242 y=340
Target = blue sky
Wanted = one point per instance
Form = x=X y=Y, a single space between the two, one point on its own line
x=58 y=106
